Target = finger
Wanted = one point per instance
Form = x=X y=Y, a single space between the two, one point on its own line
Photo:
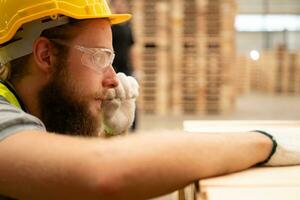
x=134 y=87
x=120 y=90
x=126 y=85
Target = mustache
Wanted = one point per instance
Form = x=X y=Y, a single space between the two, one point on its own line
x=108 y=94
x=100 y=95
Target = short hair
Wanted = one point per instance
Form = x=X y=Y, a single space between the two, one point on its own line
x=4 y=71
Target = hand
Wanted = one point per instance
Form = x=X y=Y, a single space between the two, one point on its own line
x=287 y=151
x=119 y=105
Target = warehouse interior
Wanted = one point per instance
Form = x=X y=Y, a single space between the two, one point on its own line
x=216 y=60
x=189 y=99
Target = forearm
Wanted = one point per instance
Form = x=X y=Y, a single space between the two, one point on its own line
x=47 y=166
x=156 y=164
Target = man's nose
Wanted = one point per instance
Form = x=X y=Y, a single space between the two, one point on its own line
x=110 y=79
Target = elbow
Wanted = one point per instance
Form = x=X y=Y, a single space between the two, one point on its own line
x=110 y=187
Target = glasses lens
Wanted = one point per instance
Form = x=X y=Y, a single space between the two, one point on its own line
x=96 y=58
x=102 y=59
x=87 y=60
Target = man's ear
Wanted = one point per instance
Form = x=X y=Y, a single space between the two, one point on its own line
x=43 y=54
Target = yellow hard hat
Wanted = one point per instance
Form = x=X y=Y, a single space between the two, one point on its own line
x=14 y=13
x=26 y=19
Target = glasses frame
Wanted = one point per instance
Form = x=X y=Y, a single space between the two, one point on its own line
x=92 y=51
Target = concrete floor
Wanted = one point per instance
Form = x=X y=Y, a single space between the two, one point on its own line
x=249 y=107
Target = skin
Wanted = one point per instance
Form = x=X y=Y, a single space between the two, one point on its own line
x=40 y=165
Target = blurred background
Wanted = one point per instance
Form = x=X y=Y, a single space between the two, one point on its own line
x=212 y=60
x=215 y=59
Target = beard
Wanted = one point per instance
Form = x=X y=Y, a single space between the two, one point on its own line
x=64 y=111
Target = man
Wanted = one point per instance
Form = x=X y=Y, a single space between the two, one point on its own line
x=67 y=71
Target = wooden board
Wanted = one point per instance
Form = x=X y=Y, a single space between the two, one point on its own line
x=237 y=125
x=266 y=183
x=253 y=193
x=261 y=183
x=257 y=177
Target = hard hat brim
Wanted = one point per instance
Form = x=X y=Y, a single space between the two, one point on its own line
x=113 y=18
x=119 y=18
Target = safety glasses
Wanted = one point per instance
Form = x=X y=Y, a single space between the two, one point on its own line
x=95 y=58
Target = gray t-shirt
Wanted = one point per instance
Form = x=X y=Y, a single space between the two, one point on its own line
x=14 y=120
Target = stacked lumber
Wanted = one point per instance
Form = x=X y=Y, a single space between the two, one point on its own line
x=187 y=55
x=264 y=73
x=242 y=74
x=185 y=51
x=219 y=55
x=151 y=32
x=277 y=72
x=281 y=69
x=294 y=73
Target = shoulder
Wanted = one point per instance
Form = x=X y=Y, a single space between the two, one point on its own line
x=13 y=120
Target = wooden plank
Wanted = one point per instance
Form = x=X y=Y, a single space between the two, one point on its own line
x=257 y=193
x=257 y=177
x=236 y=125
x=263 y=183
x=260 y=183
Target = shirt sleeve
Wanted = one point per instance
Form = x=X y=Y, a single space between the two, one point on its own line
x=14 y=120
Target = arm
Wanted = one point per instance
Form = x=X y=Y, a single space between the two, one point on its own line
x=38 y=165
